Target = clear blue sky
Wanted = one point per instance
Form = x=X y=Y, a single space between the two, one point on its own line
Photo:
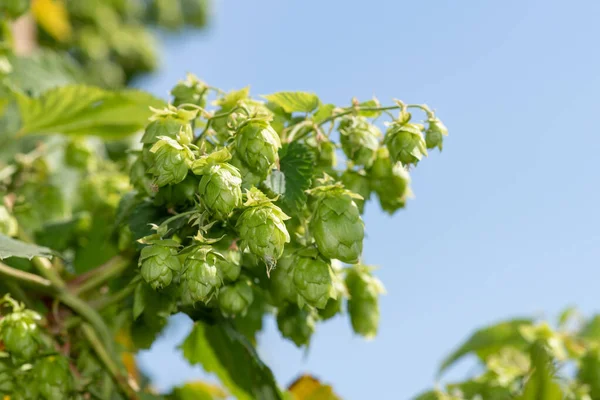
x=505 y=221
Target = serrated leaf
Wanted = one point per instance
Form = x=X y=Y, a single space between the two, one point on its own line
x=325 y=111
x=310 y=388
x=86 y=110
x=197 y=391
x=10 y=247
x=296 y=161
x=294 y=101
x=488 y=340
x=220 y=349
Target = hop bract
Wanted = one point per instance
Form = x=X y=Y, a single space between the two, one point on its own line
x=359 y=140
x=313 y=282
x=54 y=378
x=336 y=225
x=171 y=161
x=405 y=143
x=434 y=136
x=235 y=299
x=201 y=274
x=296 y=324
x=158 y=262
x=363 y=304
x=261 y=227
x=256 y=144
x=390 y=181
x=220 y=189
x=20 y=334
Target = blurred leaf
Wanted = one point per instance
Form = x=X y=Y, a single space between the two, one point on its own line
x=53 y=17
x=541 y=384
x=589 y=372
x=325 y=111
x=488 y=340
x=197 y=391
x=296 y=162
x=310 y=388
x=483 y=389
x=86 y=110
x=222 y=350
x=294 y=101
x=10 y=247
x=592 y=329
x=232 y=98
x=275 y=183
x=369 y=104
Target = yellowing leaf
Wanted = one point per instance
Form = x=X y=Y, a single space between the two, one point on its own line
x=198 y=391
x=310 y=388
x=52 y=15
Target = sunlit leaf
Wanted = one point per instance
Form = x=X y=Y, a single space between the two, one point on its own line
x=294 y=101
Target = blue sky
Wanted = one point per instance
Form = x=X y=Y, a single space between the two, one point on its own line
x=505 y=221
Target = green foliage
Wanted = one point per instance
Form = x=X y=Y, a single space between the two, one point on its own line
x=10 y=247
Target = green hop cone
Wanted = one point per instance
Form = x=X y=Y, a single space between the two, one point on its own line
x=296 y=324
x=13 y=9
x=8 y=223
x=181 y=194
x=326 y=157
x=190 y=91
x=235 y=299
x=20 y=334
x=171 y=161
x=201 y=274
x=358 y=182
x=220 y=190
x=313 y=281
x=334 y=304
x=158 y=261
x=336 y=225
x=363 y=304
x=434 y=136
x=256 y=144
x=281 y=284
x=405 y=143
x=79 y=155
x=249 y=177
x=261 y=228
x=359 y=140
x=229 y=268
x=54 y=378
x=169 y=122
x=390 y=182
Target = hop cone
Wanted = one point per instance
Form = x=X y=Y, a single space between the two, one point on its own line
x=249 y=178
x=357 y=182
x=256 y=144
x=359 y=140
x=235 y=299
x=229 y=268
x=296 y=324
x=201 y=274
x=282 y=280
x=363 y=304
x=158 y=262
x=326 y=157
x=405 y=143
x=434 y=136
x=313 y=282
x=19 y=332
x=337 y=227
x=262 y=229
x=171 y=161
x=54 y=378
x=220 y=190
x=180 y=194
x=190 y=91
x=168 y=126
x=390 y=182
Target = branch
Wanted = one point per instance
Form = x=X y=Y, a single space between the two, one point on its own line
x=99 y=275
x=31 y=280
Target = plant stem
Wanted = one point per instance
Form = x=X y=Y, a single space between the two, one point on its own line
x=104 y=356
x=119 y=296
x=31 y=280
x=100 y=275
x=354 y=109
x=210 y=120
x=174 y=217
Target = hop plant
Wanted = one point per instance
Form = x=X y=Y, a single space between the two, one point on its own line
x=434 y=135
x=256 y=144
x=54 y=378
x=313 y=281
x=229 y=267
x=78 y=154
x=170 y=122
x=390 y=181
x=220 y=186
x=20 y=333
x=359 y=140
x=201 y=274
x=336 y=225
x=405 y=143
x=190 y=91
x=234 y=299
x=261 y=227
x=358 y=182
x=158 y=262
x=171 y=161
x=296 y=324
x=363 y=304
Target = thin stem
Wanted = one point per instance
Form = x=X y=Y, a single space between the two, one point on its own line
x=217 y=116
x=102 y=274
x=119 y=296
x=355 y=109
x=26 y=278
x=104 y=356
x=43 y=265
x=173 y=218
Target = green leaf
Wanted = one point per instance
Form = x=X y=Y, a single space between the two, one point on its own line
x=44 y=70
x=296 y=161
x=325 y=111
x=86 y=110
x=592 y=329
x=232 y=98
x=10 y=247
x=294 y=101
x=222 y=350
x=369 y=114
x=488 y=340
x=541 y=384
x=197 y=391
x=275 y=183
